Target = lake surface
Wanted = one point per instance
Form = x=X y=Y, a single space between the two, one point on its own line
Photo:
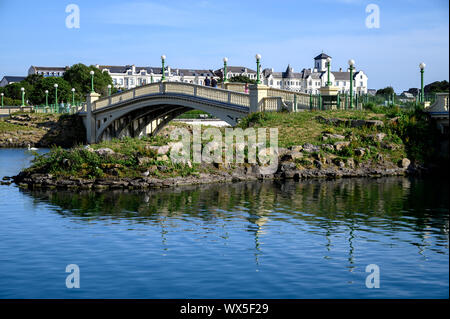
x=311 y=239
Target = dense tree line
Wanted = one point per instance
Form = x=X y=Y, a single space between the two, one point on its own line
x=436 y=87
x=77 y=77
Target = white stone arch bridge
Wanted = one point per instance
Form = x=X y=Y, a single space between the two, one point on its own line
x=146 y=109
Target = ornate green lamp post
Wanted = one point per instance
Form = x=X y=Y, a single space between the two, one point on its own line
x=422 y=68
x=351 y=63
x=46 y=97
x=328 y=71
x=109 y=89
x=56 y=94
x=73 y=96
x=151 y=78
x=2 y=97
x=23 y=96
x=225 y=70
x=92 y=81
x=258 y=66
x=163 y=59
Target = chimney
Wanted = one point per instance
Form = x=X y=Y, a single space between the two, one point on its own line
x=271 y=69
x=340 y=69
x=133 y=68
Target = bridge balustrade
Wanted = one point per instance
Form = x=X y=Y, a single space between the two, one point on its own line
x=214 y=94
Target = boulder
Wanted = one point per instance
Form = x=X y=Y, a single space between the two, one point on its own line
x=340 y=145
x=296 y=148
x=104 y=151
x=327 y=136
x=328 y=147
x=309 y=148
x=404 y=163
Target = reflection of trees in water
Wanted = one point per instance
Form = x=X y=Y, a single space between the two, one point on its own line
x=337 y=206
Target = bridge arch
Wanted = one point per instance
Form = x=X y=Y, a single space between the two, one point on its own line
x=136 y=114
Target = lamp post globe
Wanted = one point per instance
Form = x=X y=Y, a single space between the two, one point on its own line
x=422 y=66
x=351 y=62
x=225 y=59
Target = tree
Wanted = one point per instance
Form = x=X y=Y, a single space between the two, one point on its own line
x=242 y=79
x=64 y=91
x=389 y=90
x=14 y=92
x=33 y=78
x=78 y=76
x=436 y=87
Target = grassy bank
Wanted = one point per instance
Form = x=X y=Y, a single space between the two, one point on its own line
x=398 y=134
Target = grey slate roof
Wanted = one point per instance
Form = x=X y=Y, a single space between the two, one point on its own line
x=50 y=68
x=341 y=76
x=322 y=56
x=12 y=78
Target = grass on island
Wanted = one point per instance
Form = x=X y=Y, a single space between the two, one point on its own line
x=411 y=135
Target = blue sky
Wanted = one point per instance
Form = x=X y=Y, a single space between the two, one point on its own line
x=199 y=33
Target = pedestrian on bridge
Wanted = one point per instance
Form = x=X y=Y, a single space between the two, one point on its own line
x=207 y=82
x=214 y=83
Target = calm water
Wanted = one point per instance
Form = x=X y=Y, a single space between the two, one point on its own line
x=246 y=240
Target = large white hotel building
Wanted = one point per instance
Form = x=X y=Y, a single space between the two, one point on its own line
x=307 y=80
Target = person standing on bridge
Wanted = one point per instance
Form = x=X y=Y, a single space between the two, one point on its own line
x=246 y=88
x=213 y=82
x=207 y=81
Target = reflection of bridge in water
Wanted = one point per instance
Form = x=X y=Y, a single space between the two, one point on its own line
x=146 y=109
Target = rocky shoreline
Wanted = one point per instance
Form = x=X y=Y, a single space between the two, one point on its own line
x=42 y=130
x=286 y=171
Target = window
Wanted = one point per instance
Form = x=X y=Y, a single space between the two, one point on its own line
x=344 y=83
x=337 y=83
x=130 y=72
x=361 y=84
x=121 y=81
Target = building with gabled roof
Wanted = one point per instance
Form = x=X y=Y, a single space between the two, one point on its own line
x=9 y=79
x=310 y=80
